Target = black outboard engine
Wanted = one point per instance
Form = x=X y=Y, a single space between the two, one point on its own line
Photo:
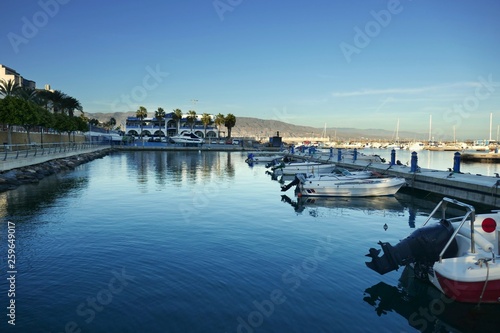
x=295 y=181
x=423 y=247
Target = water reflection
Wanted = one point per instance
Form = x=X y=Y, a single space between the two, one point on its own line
x=368 y=205
x=427 y=309
x=27 y=200
x=179 y=167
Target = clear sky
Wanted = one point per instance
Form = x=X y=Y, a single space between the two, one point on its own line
x=351 y=63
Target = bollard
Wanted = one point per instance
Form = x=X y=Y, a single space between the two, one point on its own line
x=456 y=162
x=331 y=152
x=355 y=157
x=414 y=162
x=292 y=149
x=339 y=155
x=393 y=157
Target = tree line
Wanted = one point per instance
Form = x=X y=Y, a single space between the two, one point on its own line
x=220 y=120
x=30 y=108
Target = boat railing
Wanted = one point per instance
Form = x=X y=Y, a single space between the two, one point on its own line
x=470 y=213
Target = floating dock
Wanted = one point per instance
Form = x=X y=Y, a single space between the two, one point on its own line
x=484 y=190
x=481 y=157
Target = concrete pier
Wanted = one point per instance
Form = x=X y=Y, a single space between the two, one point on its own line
x=468 y=187
x=23 y=158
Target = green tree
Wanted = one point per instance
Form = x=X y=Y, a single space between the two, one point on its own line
x=69 y=105
x=29 y=116
x=10 y=108
x=112 y=122
x=141 y=114
x=160 y=115
x=45 y=121
x=229 y=122
x=219 y=121
x=191 y=118
x=9 y=88
x=177 y=116
x=206 y=119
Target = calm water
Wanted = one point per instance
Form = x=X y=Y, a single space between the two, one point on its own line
x=201 y=242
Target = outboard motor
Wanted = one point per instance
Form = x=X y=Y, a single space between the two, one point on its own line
x=295 y=181
x=423 y=247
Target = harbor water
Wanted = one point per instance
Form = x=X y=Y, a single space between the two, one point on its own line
x=202 y=242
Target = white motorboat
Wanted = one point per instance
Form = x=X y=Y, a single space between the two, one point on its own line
x=344 y=186
x=336 y=174
x=187 y=137
x=292 y=168
x=263 y=156
x=456 y=255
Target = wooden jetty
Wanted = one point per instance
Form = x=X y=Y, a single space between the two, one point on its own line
x=474 y=188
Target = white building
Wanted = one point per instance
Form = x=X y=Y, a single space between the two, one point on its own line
x=7 y=73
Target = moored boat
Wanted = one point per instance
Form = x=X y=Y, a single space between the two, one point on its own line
x=344 y=186
x=456 y=255
x=186 y=137
x=292 y=168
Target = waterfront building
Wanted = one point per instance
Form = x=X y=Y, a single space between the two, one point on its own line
x=7 y=73
x=168 y=127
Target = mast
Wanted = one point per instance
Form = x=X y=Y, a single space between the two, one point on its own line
x=430 y=127
x=491 y=122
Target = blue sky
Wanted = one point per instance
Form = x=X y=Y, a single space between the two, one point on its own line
x=361 y=64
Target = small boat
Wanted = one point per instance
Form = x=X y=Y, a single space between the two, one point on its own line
x=186 y=137
x=292 y=168
x=262 y=157
x=344 y=186
x=457 y=255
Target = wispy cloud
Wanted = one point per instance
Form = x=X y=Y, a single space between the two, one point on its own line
x=405 y=91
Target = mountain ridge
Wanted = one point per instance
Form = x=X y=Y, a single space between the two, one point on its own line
x=256 y=127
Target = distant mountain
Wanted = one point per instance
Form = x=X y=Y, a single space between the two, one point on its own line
x=255 y=127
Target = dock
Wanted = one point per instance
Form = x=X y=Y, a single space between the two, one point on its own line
x=481 y=157
x=472 y=188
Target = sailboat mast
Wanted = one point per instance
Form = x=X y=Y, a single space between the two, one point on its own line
x=491 y=122
x=430 y=127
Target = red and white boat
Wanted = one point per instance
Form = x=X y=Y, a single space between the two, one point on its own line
x=459 y=256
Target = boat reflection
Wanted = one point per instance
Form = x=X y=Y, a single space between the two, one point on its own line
x=428 y=310
x=367 y=204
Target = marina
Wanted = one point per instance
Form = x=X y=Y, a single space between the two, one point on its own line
x=475 y=187
x=206 y=243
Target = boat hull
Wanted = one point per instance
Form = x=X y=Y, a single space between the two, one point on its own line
x=352 y=188
x=469 y=291
x=316 y=168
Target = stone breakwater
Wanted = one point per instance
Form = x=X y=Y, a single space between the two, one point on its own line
x=34 y=173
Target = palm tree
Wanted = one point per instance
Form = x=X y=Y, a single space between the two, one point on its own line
x=191 y=118
x=206 y=119
x=112 y=123
x=57 y=98
x=229 y=122
x=141 y=114
x=45 y=97
x=160 y=115
x=177 y=117
x=9 y=88
x=219 y=121
x=70 y=104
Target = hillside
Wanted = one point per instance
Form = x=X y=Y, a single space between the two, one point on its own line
x=255 y=127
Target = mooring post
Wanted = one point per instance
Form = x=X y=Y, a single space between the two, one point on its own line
x=393 y=157
x=331 y=152
x=292 y=149
x=339 y=155
x=414 y=162
x=456 y=162
x=355 y=154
